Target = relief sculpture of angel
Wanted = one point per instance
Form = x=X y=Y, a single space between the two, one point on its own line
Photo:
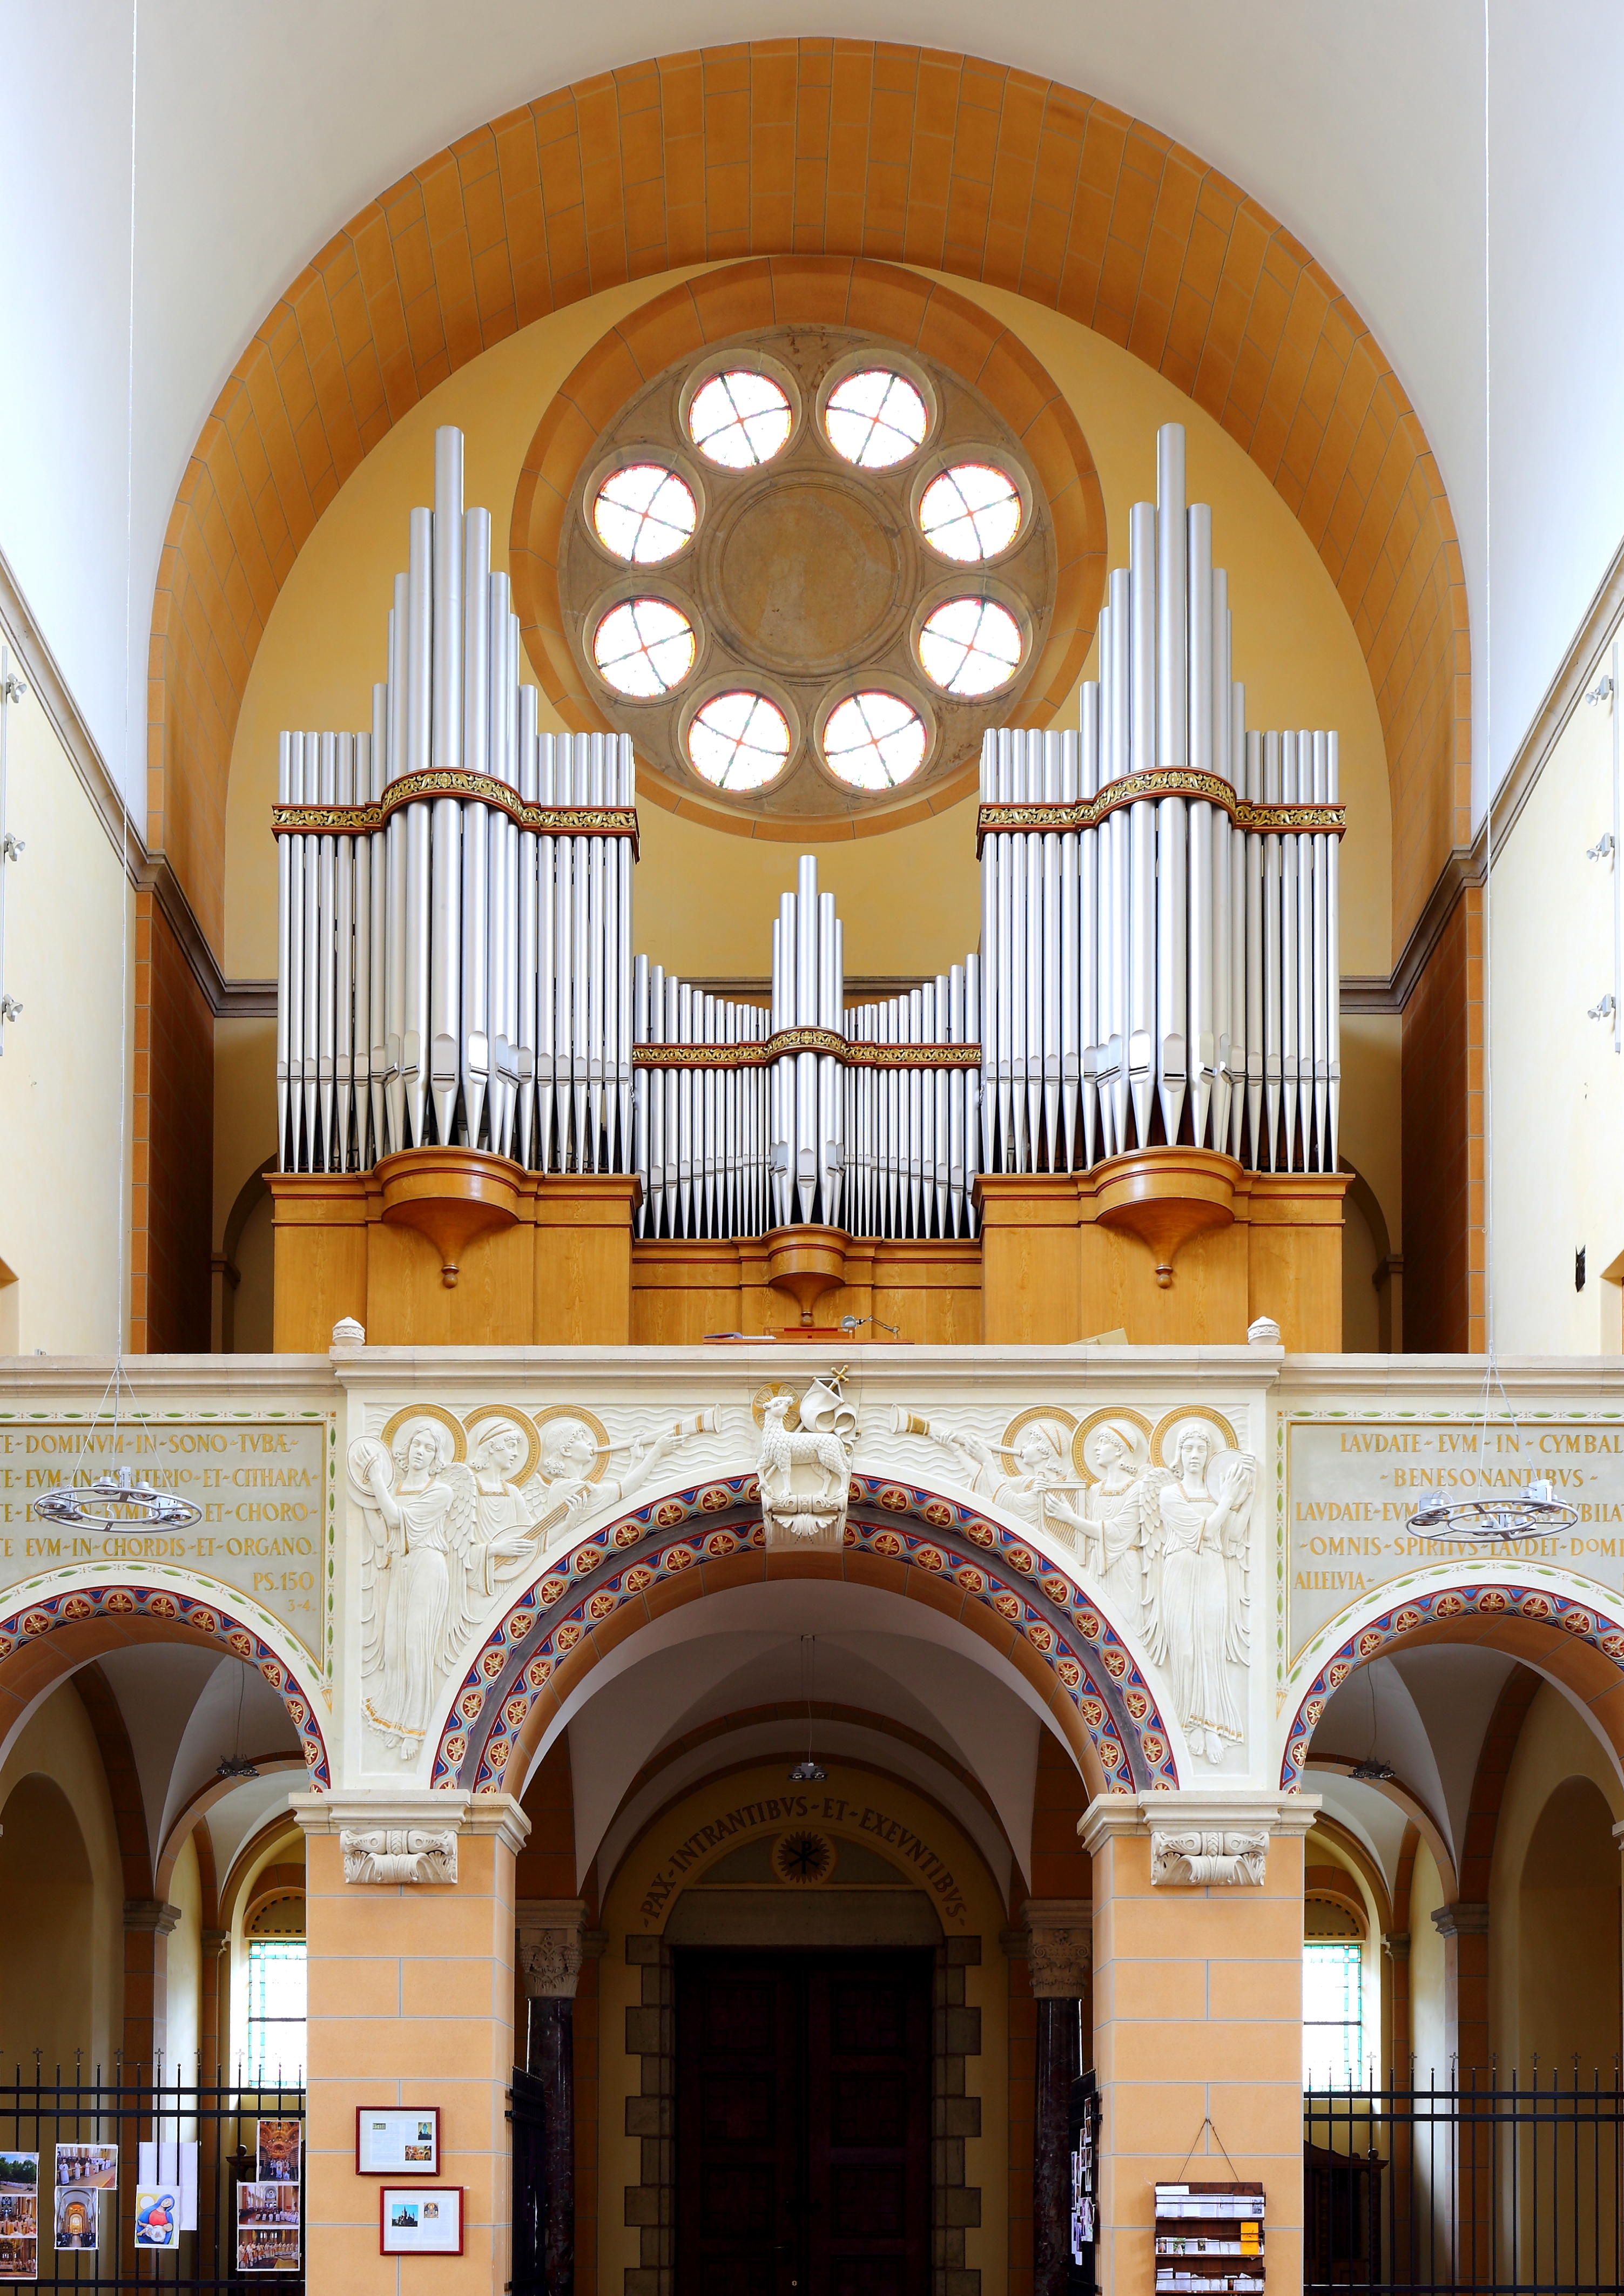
x=1197 y=1603
x=426 y=1571
x=1110 y=1526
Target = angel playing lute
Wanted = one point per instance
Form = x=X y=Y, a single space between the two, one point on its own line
x=425 y=1574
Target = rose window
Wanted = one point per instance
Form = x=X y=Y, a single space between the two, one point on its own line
x=852 y=572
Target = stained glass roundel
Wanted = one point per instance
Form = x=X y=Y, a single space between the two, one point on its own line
x=874 y=741
x=739 y=740
x=876 y=418
x=644 y=647
x=643 y=513
x=739 y=418
x=971 y=512
x=970 y=646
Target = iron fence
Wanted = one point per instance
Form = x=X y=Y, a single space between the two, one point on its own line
x=1503 y=2184
x=142 y=2106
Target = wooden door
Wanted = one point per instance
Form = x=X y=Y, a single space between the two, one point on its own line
x=803 y=2121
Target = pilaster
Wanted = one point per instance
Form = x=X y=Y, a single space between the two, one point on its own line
x=1197 y=2008
x=411 y=2002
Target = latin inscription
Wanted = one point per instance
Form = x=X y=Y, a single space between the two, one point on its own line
x=1351 y=1492
x=265 y=1491
x=908 y=1849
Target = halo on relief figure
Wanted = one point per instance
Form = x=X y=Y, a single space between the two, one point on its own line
x=551 y=1466
x=763 y=1396
x=487 y=1418
x=1171 y=1429
x=1049 y=1418
x=434 y=1411
x=1131 y=1428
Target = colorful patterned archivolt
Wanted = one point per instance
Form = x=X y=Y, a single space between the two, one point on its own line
x=1092 y=1665
x=75 y=1606
x=1540 y=1606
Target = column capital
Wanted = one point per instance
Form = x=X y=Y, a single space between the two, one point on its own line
x=151 y=1914
x=1056 y=1939
x=393 y=1836
x=1461 y=1920
x=551 y=1946
x=1199 y=1838
x=1396 y=1945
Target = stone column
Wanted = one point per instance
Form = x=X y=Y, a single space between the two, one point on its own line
x=148 y=1923
x=1197 y=2009
x=551 y=1933
x=409 y=1912
x=1059 y=1951
x=1463 y=1927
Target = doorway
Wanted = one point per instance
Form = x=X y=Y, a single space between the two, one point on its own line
x=803 y=2124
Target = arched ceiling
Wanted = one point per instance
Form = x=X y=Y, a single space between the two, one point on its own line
x=259 y=132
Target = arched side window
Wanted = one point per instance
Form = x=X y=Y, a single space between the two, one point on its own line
x=1332 y=1994
x=273 y=2055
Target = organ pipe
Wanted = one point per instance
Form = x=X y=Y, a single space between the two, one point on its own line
x=1157 y=957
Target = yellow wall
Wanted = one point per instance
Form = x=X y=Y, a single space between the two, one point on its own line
x=1429 y=2040
x=1556 y=1743
x=43 y=2005
x=63 y=1201
x=1557 y=1083
x=910 y=899
x=184 y=1986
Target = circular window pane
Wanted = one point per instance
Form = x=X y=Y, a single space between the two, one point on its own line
x=739 y=419
x=644 y=647
x=971 y=646
x=873 y=741
x=971 y=512
x=643 y=513
x=876 y=418
x=739 y=741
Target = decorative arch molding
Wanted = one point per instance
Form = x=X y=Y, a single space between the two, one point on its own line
x=904 y=1539
x=1566 y=1637
x=815 y=147
x=92 y=1617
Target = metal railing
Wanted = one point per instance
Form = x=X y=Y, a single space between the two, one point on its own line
x=137 y=2105
x=1489 y=2182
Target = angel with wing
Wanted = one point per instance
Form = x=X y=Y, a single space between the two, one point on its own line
x=425 y=1574
x=1112 y=1524
x=1197 y=1601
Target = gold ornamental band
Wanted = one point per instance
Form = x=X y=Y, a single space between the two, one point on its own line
x=806 y=1040
x=447 y=781
x=1156 y=783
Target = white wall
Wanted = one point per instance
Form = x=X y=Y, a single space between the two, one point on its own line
x=63 y=1184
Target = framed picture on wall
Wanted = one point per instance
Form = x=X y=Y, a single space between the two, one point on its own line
x=421 y=2220
x=398 y=2140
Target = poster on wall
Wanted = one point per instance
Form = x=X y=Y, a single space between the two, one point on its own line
x=83 y=2173
x=276 y=2152
x=268 y=2227
x=19 y=2216
x=421 y=2220
x=391 y=2142
x=158 y=2216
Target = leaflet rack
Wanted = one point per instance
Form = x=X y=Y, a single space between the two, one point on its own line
x=1209 y=2237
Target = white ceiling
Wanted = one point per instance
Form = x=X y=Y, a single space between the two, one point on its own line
x=259 y=130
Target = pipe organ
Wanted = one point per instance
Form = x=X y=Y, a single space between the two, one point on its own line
x=1158 y=960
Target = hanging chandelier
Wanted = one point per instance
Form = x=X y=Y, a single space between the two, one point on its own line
x=118 y=1498
x=1529 y=1510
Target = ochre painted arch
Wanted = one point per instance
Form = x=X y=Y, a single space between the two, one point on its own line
x=815 y=147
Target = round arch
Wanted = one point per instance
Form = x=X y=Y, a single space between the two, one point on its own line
x=907 y=1541
x=1566 y=1637
x=69 y=1620
x=946 y=162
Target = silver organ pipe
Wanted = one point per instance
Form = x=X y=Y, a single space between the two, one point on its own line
x=1182 y=935
x=1158 y=936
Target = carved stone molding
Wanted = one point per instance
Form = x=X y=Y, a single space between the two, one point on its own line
x=1396 y=1945
x=151 y=1914
x=1059 y=1933
x=1464 y=1920
x=551 y=1946
x=400 y=1853
x=1208 y=1857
